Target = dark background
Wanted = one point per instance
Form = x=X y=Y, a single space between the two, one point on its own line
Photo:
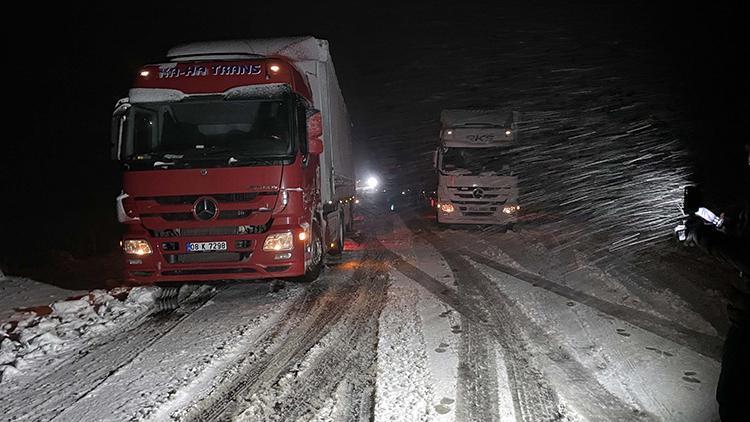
x=66 y=66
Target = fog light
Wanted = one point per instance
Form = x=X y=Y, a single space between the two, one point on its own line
x=511 y=209
x=446 y=207
x=138 y=247
x=280 y=256
x=279 y=242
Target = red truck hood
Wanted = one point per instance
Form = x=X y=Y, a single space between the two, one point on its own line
x=161 y=197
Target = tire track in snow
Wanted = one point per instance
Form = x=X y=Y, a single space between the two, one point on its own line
x=477 y=376
x=705 y=344
x=74 y=379
x=325 y=304
x=301 y=390
x=506 y=324
x=533 y=397
x=529 y=406
x=609 y=406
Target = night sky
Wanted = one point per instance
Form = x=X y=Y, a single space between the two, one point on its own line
x=69 y=64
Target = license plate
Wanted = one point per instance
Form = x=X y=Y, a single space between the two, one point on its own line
x=206 y=246
x=475 y=209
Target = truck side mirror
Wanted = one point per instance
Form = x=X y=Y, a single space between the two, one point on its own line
x=314 y=133
x=119 y=128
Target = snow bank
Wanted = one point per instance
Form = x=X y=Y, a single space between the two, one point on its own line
x=40 y=337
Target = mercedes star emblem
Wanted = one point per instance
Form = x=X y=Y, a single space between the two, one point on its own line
x=205 y=208
x=478 y=193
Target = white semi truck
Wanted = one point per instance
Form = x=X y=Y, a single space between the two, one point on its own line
x=474 y=161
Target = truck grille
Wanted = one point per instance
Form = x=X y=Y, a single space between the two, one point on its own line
x=212 y=231
x=231 y=206
x=209 y=271
x=206 y=257
x=187 y=216
x=477 y=214
x=190 y=199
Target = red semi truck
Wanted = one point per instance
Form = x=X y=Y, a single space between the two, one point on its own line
x=236 y=161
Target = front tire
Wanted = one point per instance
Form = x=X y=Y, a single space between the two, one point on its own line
x=316 y=250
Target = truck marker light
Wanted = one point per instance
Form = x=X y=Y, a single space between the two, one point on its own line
x=138 y=247
x=275 y=68
x=144 y=73
x=302 y=236
x=507 y=133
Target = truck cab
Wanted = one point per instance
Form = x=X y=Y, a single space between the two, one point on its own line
x=236 y=163
x=474 y=162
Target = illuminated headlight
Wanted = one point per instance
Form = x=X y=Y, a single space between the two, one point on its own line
x=279 y=242
x=446 y=207
x=138 y=247
x=511 y=209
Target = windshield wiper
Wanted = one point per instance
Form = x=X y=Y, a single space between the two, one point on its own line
x=245 y=158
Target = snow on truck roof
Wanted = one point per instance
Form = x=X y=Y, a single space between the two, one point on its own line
x=294 y=48
x=470 y=117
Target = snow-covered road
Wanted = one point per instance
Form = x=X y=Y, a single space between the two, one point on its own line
x=415 y=323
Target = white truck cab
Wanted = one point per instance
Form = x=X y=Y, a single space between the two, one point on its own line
x=474 y=161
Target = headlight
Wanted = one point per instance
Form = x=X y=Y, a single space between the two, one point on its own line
x=511 y=209
x=279 y=242
x=138 y=247
x=446 y=207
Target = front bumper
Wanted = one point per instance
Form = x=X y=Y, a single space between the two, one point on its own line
x=457 y=218
x=464 y=215
x=244 y=259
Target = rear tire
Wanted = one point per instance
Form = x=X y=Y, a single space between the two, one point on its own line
x=339 y=243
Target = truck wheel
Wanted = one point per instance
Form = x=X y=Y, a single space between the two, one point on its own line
x=316 y=266
x=438 y=223
x=338 y=247
x=350 y=224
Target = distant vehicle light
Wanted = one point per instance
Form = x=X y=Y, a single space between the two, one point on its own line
x=507 y=133
x=356 y=201
x=372 y=182
x=403 y=192
x=450 y=132
x=446 y=207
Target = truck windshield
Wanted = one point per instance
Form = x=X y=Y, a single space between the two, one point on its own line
x=494 y=161
x=208 y=130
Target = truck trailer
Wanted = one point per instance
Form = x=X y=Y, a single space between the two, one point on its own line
x=474 y=162
x=236 y=160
